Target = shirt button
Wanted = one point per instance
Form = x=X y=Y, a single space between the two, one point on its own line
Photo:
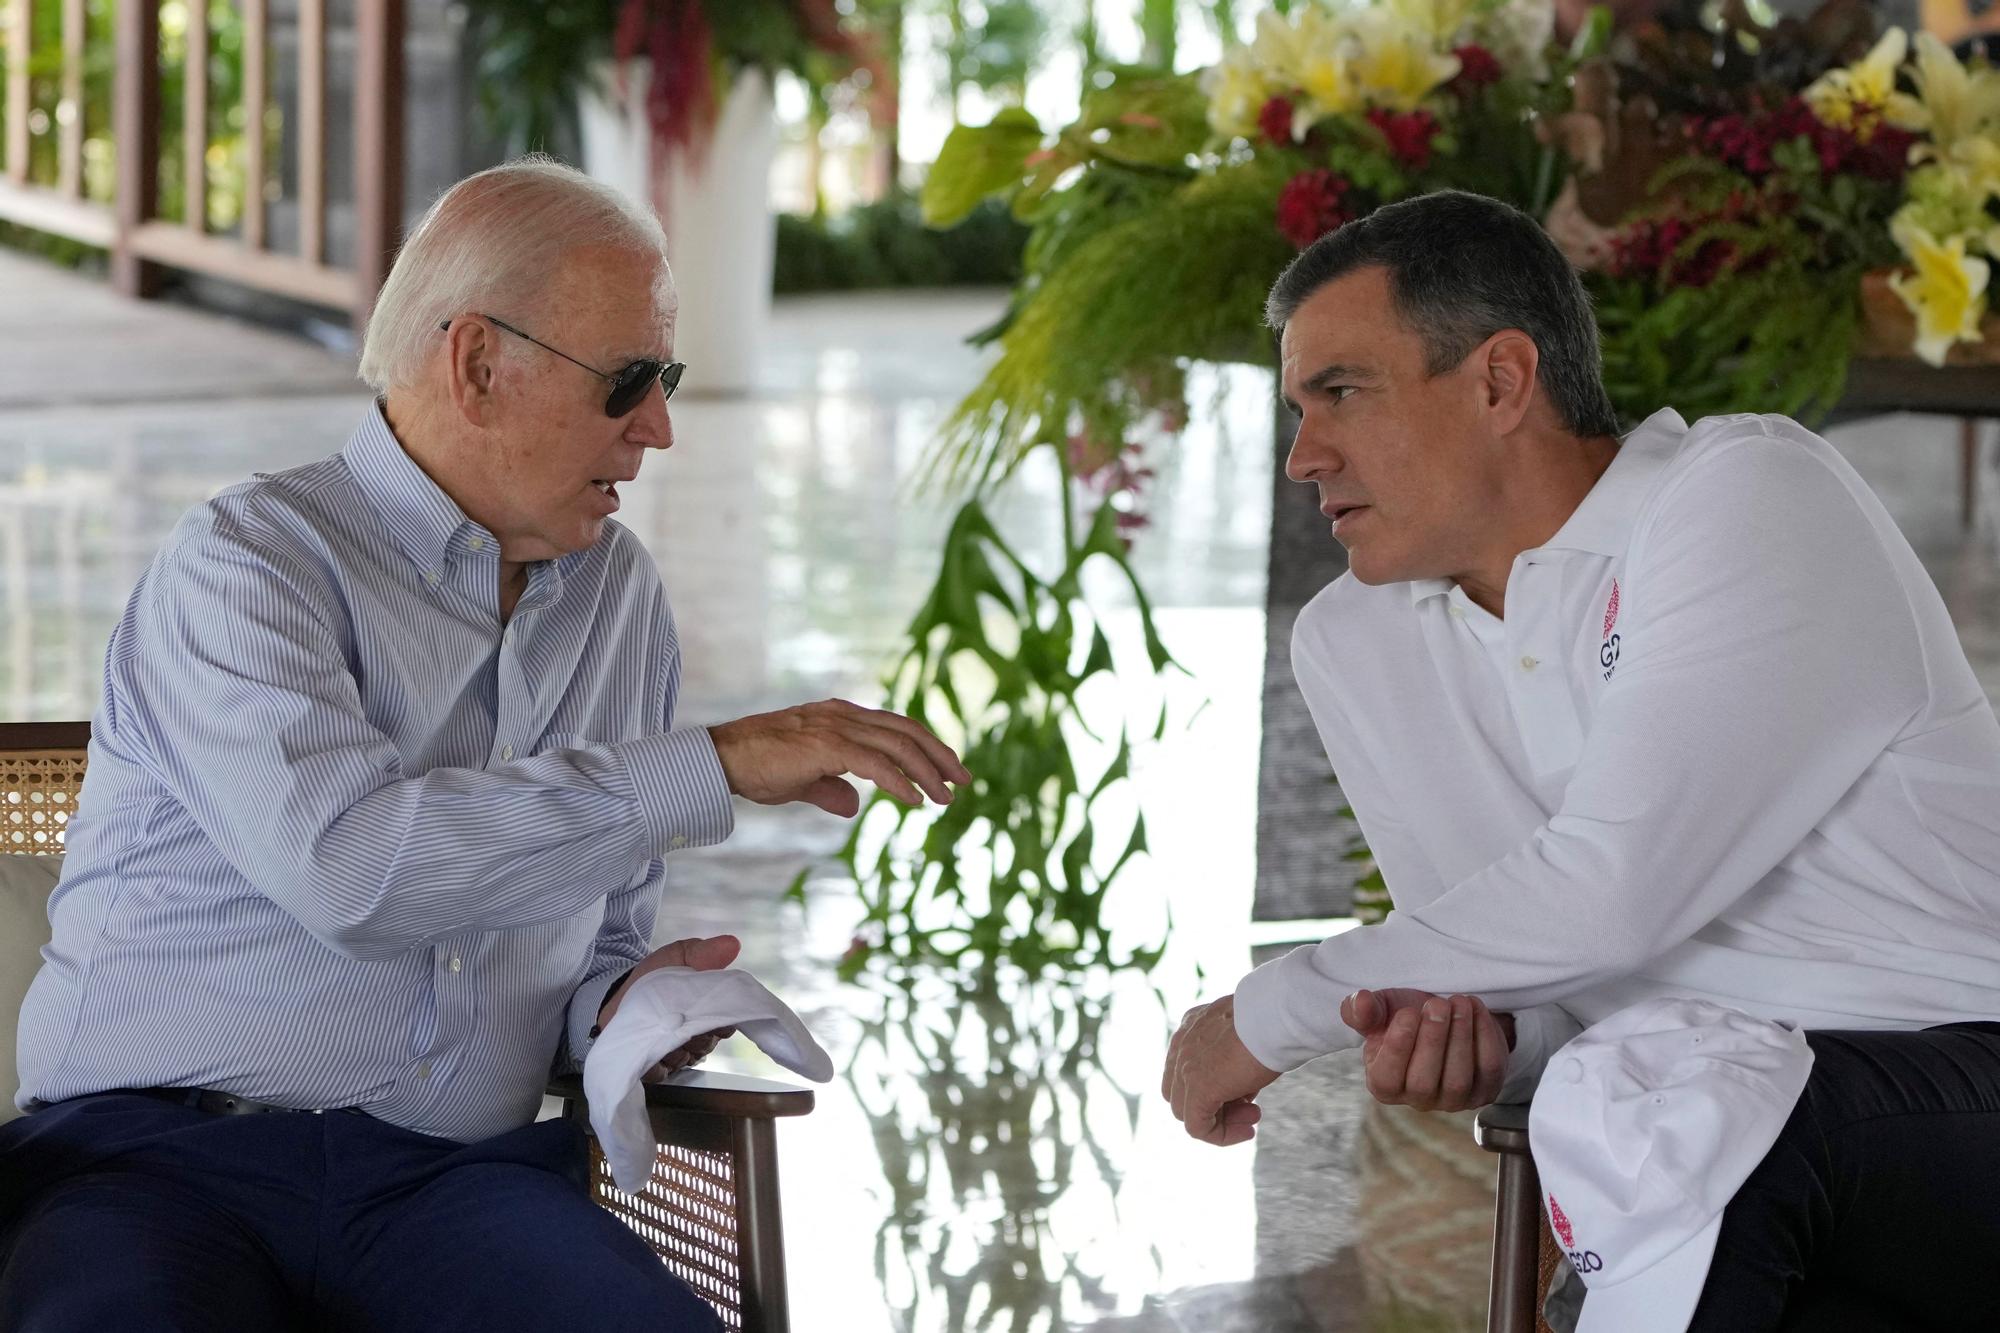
x=506 y=753
x=678 y=842
x=1459 y=612
x=456 y=964
x=424 y=1069
x=1529 y=663
x=478 y=543
x=431 y=577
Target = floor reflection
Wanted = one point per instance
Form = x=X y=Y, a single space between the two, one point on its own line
x=1003 y=1141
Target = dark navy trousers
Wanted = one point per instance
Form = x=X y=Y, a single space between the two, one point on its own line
x=119 y=1211
x=1878 y=1208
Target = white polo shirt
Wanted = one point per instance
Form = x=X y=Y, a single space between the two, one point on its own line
x=1725 y=745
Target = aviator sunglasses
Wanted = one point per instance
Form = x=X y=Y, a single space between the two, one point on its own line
x=628 y=386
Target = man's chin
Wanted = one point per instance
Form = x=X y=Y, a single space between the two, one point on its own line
x=1376 y=572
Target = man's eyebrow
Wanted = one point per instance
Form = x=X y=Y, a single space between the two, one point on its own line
x=1336 y=373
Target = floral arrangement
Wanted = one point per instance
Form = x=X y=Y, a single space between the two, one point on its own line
x=533 y=56
x=1164 y=211
x=1797 y=198
x=690 y=42
x=1948 y=219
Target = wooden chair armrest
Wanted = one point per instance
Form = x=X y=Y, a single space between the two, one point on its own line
x=706 y=1092
x=1502 y=1127
x=711 y=1209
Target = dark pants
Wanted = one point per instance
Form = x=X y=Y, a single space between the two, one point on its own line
x=1879 y=1206
x=120 y=1211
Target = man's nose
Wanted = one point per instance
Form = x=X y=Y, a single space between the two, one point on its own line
x=650 y=424
x=1311 y=455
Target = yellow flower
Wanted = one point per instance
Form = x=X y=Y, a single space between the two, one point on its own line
x=1394 y=64
x=1321 y=65
x=1281 y=43
x=1975 y=159
x=1328 y=83
x=1947 y=293
x=1438 y=20
x=1854 y=98
x=1237 y=90
x=1956 y=105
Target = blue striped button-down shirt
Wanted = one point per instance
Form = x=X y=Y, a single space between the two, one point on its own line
x=347 y=840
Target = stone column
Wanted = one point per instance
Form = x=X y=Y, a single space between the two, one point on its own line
x=1301 y=837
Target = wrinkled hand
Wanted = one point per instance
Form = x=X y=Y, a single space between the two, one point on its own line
x=1433 y=1053
x=1211 y=1078
x=703 y=955
x=798 y=754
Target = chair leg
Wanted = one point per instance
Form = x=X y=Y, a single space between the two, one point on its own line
x=766 y=1308
x=1517 y=1241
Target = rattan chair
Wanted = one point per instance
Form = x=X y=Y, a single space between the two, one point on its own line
x=711 y=1209
x=1524 y=1253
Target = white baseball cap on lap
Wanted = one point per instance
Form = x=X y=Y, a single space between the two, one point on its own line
x=1643 y=1128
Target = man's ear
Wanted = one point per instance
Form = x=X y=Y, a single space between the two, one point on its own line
x=1507 y=363
x=471 y=353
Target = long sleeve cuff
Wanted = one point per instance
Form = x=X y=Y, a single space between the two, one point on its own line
x=1287 y=1012
x=681 y=788
x=584 y=1003
x=1539 y=1032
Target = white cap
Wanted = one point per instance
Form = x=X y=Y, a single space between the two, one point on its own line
x=1643 y=1128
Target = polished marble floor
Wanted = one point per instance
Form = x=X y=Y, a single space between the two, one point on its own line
x=991 y=1159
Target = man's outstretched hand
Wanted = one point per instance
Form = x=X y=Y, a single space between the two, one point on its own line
x=1211 y=1077
x=799 y=754
x=1431 y=1052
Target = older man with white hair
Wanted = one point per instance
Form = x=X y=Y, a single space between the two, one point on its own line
x=379 y=796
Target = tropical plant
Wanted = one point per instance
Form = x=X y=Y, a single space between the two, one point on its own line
x=1012 y=870
x=533 y=57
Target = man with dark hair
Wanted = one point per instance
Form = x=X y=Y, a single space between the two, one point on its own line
x=1678 y=717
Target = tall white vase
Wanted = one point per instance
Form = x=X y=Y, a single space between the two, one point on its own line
x=721 y=233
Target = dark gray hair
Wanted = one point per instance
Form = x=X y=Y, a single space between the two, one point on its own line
x=1461 y=268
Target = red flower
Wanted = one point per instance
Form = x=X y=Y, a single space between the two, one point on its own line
x=1275 y=120
x=1746 y=140
x=1477 y=68
x=1312 y=204
x=1409 y=134
x=1647 y=249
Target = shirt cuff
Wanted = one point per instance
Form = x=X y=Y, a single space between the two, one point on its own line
x=1539 y=1032
x=1288 y=1012
x=681 y=788
x=583 y=1006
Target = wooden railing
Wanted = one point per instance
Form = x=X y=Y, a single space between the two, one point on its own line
x=142 y=243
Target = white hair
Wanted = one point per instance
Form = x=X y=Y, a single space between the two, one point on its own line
x=495 y=239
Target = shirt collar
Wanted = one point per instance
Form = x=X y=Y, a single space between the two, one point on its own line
x=422 y=519
x=1602 y=523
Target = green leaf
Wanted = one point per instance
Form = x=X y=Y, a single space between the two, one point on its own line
x=797 y=892
x=1100 y=656
x=976 y=161
x=1120 y=766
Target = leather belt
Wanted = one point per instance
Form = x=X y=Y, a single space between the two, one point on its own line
x=227 y=1103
